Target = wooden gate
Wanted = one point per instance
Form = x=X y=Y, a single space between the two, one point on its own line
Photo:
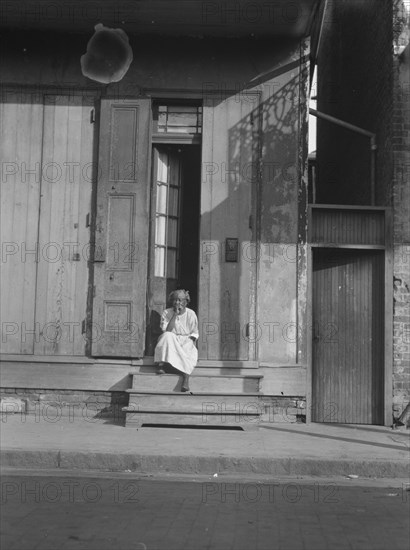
x=348 y=336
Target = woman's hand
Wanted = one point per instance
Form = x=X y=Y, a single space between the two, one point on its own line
x=171 y=324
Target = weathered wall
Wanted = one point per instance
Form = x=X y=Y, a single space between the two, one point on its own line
x=401 y=223
x=282 y=271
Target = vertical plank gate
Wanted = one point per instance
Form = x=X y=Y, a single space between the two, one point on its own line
x=348 y=336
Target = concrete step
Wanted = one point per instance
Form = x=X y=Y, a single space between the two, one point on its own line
x=197 y=383
x=199 y=402
x=139 y=420
x=202 y=409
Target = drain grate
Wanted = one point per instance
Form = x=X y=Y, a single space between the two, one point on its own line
x=192 y=426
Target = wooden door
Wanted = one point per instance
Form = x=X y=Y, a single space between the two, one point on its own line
x=47 y=153
x=21 y=125
x=348 y=336
x=165 y=236
x=121 y=229
x=64 y=233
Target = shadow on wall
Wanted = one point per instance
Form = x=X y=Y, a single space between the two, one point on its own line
x=261 y=180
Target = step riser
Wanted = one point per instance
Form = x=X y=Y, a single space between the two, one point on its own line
x=214 y=384
x=222 y=404
x=136 y=420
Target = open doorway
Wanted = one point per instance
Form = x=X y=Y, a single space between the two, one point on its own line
x=174 y=242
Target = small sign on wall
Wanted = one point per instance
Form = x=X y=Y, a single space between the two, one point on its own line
x=231 y=250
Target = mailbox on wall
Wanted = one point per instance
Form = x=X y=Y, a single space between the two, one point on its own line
x=231 y=250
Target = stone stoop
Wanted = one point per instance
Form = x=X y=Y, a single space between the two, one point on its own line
x=231 y=401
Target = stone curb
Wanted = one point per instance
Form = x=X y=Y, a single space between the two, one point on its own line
x=206 y=465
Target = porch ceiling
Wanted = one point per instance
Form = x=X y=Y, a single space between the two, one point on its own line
x=167 y=17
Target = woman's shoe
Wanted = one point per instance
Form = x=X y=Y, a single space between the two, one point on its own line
x=160 y=369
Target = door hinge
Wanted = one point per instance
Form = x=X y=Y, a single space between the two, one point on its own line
x=251 y=221
x=83 y=327
x=87 y=220
x=92 y=116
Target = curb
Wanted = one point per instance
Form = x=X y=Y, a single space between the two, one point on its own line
x=139 y=463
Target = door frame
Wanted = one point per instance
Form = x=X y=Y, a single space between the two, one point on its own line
x=153 y=281
x=167 y=96
x=199 y=95
x=388 y=306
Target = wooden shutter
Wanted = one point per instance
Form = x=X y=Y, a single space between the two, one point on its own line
x=121 y=235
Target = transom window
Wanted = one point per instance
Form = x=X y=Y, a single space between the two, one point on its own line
x=177 y=119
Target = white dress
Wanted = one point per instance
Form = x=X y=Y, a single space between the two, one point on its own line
x=176 y=347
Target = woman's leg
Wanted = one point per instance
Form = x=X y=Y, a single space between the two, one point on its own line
x=185 y=383
x=160 y=369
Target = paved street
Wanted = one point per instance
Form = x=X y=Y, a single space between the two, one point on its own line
x=124 y=512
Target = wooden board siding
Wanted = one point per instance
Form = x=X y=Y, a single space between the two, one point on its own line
x=122 y=222
x=20 y=154
x=348 y=336
x=342 y=226
x=64 y=237
x=227 y=290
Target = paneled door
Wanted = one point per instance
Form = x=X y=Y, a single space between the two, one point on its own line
x=121 y=229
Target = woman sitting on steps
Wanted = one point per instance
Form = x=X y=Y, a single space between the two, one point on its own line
x=177 y=344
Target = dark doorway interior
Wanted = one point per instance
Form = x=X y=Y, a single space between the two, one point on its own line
x=190 y=213
x=175 y=214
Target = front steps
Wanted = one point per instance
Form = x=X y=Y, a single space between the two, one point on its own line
x=231 y=401
x=229 y=383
